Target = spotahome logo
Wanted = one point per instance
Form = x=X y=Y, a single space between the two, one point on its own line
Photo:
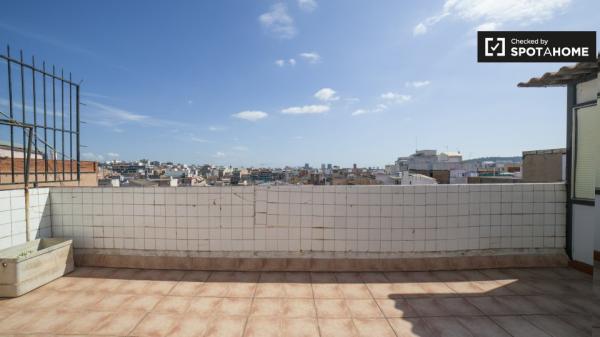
x=536 y=46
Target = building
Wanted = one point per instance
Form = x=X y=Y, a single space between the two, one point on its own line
x=543 y=166
x=407 y=178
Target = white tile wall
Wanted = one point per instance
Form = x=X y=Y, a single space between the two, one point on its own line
x=12 y=216
x=314 y=218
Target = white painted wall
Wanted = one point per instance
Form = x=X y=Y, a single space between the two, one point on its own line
x=313 y=218
x=12 y=216
x=584 y=218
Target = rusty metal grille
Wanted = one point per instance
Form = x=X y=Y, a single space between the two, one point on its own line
x=43 y=102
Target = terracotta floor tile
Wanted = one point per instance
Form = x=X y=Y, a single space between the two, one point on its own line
x=482 y=327
x=368 y=327
x=299 y=327
x=160 y=287
x=298 y=290
x=214 y=289
x=438 y=289
x=155 y=325
x=396 y=308
x=454 y=306
x=196 y=276
x=298 y=308
x=85 y=322
x=189 y=326
x=241 y=289
x=349 y=278
x=506 y=305
x=83 y=300
x=364 y=309
x=234 y=307
x=141 y=302
x=382 y=290
x=49 y=321
x=269 y=290
x=332 y=308
x=555 y=326
x=267 y=307
x=120 y=323
x=186 y=288
x=226 y=327
x=517 y=326
x=337 y=327
x=327 y=290
x=374 y=278
x=263 y=327
x=410 y=327
x=204 y=306
x=173 y=304
x=354 y=291
x=135 y=287
x=447 y=327
x=109 y=285
x=579 y=321
x=113 y=302
x=16 y=320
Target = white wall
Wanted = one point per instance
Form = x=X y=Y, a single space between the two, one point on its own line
x=313 y=218
x=12 y=216
x=584 y=218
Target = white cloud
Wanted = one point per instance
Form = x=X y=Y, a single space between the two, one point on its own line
x=420 y=29
x=214 y=128
x=251 y=115
x=307 y=5
x=418 y=84
x=494 y=13
x=298 y=138
x=378 y=108
x=282 y=63
x=306 y=109
x=360 y=112
x=190 y=102
x=395 y=97
x=111 y=117
x=326 y=95
x=117 y=113
x=278 y=22
x=112 y=154
x=219 y=154
x=487 y=26
x=311 y=57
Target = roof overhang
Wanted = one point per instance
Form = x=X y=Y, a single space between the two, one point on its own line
x=580 y=72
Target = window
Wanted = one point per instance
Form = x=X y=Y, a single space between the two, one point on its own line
x=587 y=152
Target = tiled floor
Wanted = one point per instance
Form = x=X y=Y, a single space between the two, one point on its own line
x=127 y=302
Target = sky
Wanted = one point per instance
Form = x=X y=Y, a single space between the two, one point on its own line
x=288 y=82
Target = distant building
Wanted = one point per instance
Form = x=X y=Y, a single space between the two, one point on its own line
x=407 y=178
x=544 y=166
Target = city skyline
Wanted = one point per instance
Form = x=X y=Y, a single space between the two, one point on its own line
x=262 y=84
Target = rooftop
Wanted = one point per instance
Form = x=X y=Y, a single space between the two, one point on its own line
x=132 y=302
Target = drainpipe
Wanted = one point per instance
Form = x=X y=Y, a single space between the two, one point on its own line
x=571 y=101
x=26 y=184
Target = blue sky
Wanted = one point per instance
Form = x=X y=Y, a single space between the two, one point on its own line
x=275 y=83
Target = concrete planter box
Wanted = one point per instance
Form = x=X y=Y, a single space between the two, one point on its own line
x=33 y=264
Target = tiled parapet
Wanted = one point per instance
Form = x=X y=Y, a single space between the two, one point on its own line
x=369 y=219
x=12 y=216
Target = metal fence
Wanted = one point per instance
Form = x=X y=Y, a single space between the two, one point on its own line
x=45 y=104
